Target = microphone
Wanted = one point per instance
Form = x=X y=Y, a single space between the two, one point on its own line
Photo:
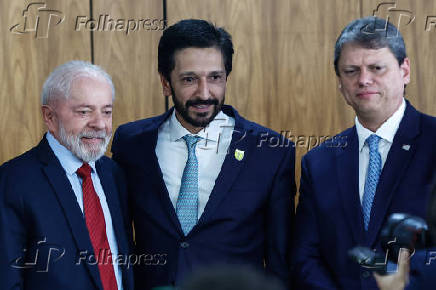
x=400 y=231
x=403 y=231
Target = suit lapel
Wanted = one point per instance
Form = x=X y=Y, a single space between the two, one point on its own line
x=243 y=140
x=112 y=197
x=111 y=193
x=148 y=141
x=347 y=169
x=65 y=195
x=394 y=169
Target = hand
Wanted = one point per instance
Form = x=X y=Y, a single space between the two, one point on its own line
x=400 y=279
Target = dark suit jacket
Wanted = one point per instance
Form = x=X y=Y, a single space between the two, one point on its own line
x=423 y=262
x=329 y=216
x=247 y=219
x=41 y=220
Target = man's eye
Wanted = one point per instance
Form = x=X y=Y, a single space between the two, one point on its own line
x=107 y=112
x=188 y=80
x=378 y=68
x=83 y=112
x=216 y=77
x=349 y=71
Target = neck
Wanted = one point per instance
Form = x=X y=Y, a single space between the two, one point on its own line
x=192 y=129
x=373 y=121
x=370 y=124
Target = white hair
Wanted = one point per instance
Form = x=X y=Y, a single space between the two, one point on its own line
x=58 y=83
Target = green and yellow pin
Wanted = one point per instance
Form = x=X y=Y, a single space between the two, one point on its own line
x=239 y=154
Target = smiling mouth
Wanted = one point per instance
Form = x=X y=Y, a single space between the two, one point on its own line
x=92 y=140
x=201 y=107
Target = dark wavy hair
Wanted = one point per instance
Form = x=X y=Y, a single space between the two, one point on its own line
x=192 y=33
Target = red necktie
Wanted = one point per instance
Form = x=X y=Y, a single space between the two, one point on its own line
x=97 y=229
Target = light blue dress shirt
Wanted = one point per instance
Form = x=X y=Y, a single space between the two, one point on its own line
x=71 y=163
x=211 y=150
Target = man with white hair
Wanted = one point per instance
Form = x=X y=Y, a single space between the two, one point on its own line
x=62 y=218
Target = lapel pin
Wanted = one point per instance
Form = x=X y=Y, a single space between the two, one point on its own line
x=406 y=147
x=239 y=154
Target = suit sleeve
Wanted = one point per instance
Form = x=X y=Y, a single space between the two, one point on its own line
x=115 y=146
x=308 y=268
x=279 y=221
x=12 y=235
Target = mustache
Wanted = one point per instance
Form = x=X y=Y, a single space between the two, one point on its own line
x=201 y=102
x=93 y=134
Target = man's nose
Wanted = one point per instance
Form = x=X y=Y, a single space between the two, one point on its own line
x=203 y=89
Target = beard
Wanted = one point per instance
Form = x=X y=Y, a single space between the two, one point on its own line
x=200 y=120
x=86 y=153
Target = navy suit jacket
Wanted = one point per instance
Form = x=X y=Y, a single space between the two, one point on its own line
x=43 y=235
x=247 y=219
x=329 y=216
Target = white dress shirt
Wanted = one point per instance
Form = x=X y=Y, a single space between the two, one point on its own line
x=386 y=132
x=211 y=150
x=71 y=163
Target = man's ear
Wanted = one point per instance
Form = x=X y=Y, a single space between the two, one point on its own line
x=50 y=118
x=340 y=84
x=166 y=86
x=405 y=68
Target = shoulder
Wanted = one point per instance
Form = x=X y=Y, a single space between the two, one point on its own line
x=267 y=141
x=331 y=146
x=126 y=136
x=136 y=128
x=20 y=176
x=428 y=122
x=130 y=131
x=20 y=165
x=252 y=129
x=412 y=115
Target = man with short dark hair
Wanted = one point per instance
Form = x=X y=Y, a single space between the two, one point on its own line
x=386 y=166
x=204 y=188
x=63 y=223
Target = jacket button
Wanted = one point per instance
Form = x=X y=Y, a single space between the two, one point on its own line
x=184 y=245
x=366 y=274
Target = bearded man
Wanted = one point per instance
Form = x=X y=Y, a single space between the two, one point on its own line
x=206 y=185
x=62 y=223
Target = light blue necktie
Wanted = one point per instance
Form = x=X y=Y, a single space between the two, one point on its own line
x=374 y=170
x=187 y=202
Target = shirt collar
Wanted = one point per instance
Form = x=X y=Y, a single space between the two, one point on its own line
x=211 y=133
x=386 y=131
x=68 y=160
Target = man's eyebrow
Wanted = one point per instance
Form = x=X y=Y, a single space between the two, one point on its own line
x=187 y=73
x=91 y=106
x=350 y=66
x=83 y=106
x=192 y=73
